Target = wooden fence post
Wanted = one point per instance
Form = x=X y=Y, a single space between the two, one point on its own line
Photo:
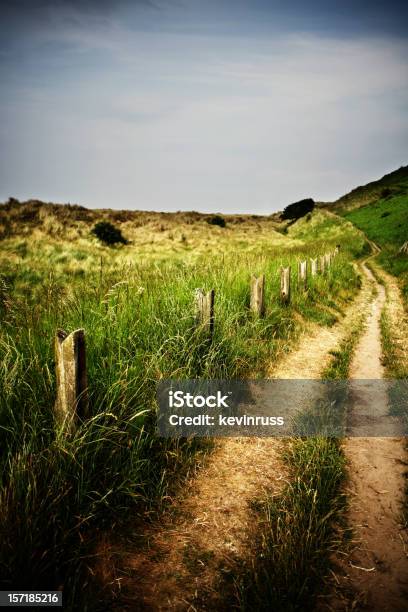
x=337 y=249
x=322 y=264
x=72 y=383
x=285 y=285
x=205 y=309
x=257 y=303
x=313 y=267
x=302 y=274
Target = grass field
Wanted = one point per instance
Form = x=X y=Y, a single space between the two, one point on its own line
x=385 y=221
x=136 y=304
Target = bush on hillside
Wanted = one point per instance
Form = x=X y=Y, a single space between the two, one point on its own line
x=13 y=201
x=298 y=209
x=108 y=233
x=386 y=192
x=216 y=220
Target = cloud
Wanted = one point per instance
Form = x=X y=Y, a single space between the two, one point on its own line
x=111 y=113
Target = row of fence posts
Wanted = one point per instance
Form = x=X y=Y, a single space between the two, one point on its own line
x=70 y=350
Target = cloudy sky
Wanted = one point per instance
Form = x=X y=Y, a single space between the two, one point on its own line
x=211 y=105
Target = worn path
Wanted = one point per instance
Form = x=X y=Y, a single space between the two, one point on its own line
x=206 y=536
x=374 y=575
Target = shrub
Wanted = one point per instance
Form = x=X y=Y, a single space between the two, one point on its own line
x=108 y=233
x=298 y=209
x=216 y=220
x=13 y=201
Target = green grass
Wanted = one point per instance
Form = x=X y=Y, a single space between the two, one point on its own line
x=386 y=223
x=58 y=492
x=339 y=366
x=333 y=228
x=391 y=184
x=297 y=530
x=298 y=527
x=305 y=523
x=396 y=368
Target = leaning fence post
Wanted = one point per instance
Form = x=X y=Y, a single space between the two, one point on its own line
x=313 y=267
x=285 y=285
x=302 y=274
x=72 y=383
x=257 y=303
x=205 y=309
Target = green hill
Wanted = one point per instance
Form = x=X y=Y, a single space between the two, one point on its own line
x=385 y=221
x=393 y=184
x=380 y=210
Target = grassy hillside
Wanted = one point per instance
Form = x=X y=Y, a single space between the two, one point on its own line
x=155 y=236
x=390 y=185
x=135 y=302
x=385 y=221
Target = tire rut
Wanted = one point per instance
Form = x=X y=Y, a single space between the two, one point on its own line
x=374 y=574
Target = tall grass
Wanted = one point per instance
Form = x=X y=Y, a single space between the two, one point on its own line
x=385 y=222
x=297 y=530
x=56 y=490
x=300 y=528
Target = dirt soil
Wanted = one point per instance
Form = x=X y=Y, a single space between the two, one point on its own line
x=374 y=574
x=206 y=537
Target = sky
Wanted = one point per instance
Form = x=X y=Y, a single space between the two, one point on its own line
x=218 y=105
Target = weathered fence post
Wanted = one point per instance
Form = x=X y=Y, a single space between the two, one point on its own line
x=257 y=303
x=337 y=249
x=313 y=267
x=285 y=285
x=322 y=260
x=302 y=274
x=72 y=383
x=205 y=309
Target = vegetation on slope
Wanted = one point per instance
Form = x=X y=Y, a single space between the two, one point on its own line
x=139 y=319
x=300 y=528
x=391 y=184
x=385 y=221
x=297 y=529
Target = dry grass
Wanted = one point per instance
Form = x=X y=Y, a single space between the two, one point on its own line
x=135 y=302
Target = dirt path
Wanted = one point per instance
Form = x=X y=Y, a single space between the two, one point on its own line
x=374 y=576
x=206 y=536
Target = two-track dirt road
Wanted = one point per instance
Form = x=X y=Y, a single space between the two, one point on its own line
x=374 y=574
x=206 y=536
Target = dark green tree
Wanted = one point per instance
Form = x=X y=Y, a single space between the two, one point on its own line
x=298 y=209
